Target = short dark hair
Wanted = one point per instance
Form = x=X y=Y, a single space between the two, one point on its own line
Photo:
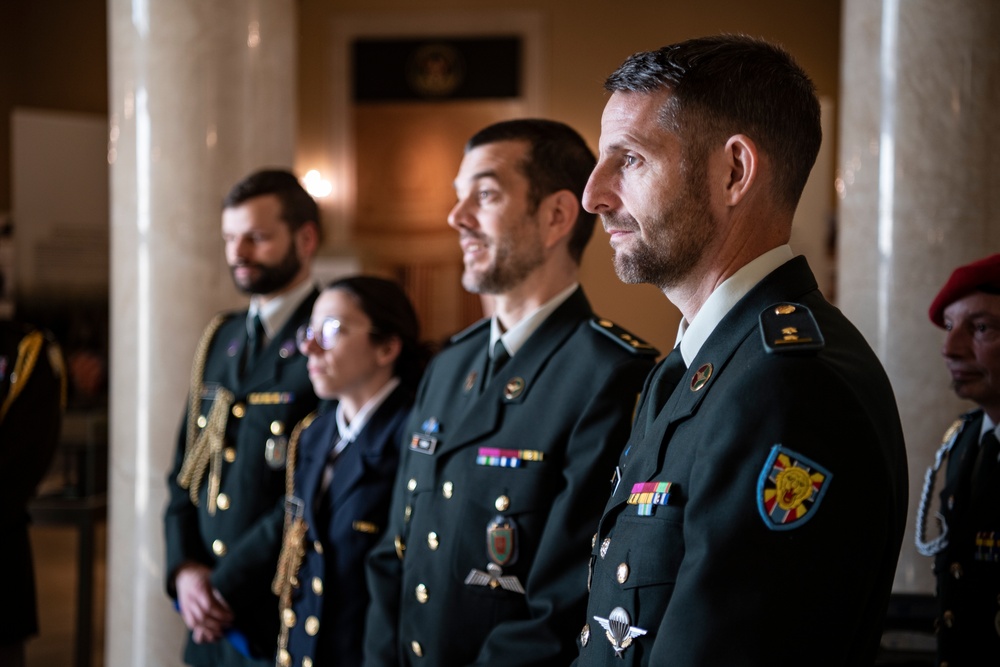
x=558 y=159
x=732 y=84
x=297 y=206
x=392 y=315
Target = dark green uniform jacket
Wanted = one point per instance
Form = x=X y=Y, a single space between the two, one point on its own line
x=32 y=391
x=968 y=568
x=235 y=528
x=760 y=513
x=500 y=486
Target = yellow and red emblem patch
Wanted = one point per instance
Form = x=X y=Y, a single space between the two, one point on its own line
x=790 y=488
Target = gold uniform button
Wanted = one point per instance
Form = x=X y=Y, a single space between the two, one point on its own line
x=222 y=501
x=277 y=428
x=585 y=634
x=400 y=546
x=284 y=659
x=593 y=541
x=448 y=490
x=317 y=586
x=417 y=649
x=288 y=618
x=294 y=581
x=502 y=503
x=956 y=570
x=318 y=547
x=219 y=548
x=307 y=662
x=622 y=573
x=949 y=618
x=412 y=484
x=407 y=513
x=202 y=421
x=229 y=454
x=239 y=410
x=312 y=626
x=422 y=594
x=432 y=540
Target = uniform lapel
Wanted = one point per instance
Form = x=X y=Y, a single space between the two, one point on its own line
x=313 y=451
x=483 y=414
x=369 y=446
x=739 y=324
x=281 y=349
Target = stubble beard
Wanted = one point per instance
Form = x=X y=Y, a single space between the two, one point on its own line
x=513 y=261
x=666 y=250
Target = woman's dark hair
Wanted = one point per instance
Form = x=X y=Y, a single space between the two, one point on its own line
x=392 y=315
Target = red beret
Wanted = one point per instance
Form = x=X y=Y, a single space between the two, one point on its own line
x=980 y=276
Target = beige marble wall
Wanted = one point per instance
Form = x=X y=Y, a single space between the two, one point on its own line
x=201 y=94
x=920 y=147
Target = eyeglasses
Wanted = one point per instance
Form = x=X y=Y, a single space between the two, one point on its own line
x=325 y=335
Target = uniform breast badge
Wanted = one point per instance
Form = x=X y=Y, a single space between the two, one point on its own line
x=648 y=495
x=790 y=488
x=619 y=630
x=425 y=442
x=501 y=546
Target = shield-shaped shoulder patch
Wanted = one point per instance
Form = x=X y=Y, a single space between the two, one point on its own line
x=790 y=488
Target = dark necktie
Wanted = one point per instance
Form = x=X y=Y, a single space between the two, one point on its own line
x=255 y=343
x=500 y=358
x=663 y=383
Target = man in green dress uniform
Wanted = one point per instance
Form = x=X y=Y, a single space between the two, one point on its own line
x=249 y=388
x=515 y=429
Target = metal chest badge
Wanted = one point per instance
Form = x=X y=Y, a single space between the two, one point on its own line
x=790 y=488
x=619 y=630
x=501 y=544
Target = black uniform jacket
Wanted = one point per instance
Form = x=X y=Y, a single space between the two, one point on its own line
x=329 y=606
x=32 y=389
x=968 y=568
x=242 y=539
x=485 y=558
x=780 y=529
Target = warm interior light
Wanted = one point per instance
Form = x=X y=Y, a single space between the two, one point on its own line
x=316 y=185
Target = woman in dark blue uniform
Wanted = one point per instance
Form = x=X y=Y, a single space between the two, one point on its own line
x=363 y=349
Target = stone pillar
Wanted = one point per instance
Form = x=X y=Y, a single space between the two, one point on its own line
x=201 y=93
x=919 y=151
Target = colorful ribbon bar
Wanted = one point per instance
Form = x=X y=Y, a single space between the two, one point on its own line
x=648 y=494
x=506 y=458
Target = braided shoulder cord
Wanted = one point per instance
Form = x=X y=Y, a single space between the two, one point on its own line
x=934 y=546
x=197 y=452
x=292 y=547
x=27 y=356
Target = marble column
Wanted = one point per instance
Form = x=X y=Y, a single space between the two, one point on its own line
x=201 y=93
x=919 y=151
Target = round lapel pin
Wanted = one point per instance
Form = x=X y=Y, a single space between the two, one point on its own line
x=513 y=388
x=701 y=376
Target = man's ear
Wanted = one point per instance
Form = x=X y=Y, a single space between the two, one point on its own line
x=307 y=240
x=557 y=216
x=742 y=161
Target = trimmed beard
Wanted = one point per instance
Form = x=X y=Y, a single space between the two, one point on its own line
x=271 y=278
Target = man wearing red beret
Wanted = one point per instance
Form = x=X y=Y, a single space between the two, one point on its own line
x=967 y=551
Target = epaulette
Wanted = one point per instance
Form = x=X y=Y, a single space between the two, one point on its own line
x=626 y=339
x=468 y=331
x=790 y=328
